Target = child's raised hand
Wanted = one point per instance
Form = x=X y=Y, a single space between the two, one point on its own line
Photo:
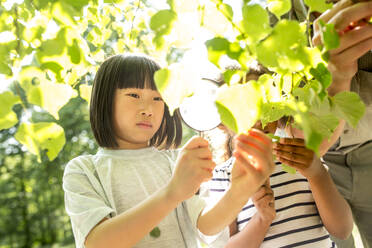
x=264 y=202
x=194 y=166
x=253 y=164
x=292 y=152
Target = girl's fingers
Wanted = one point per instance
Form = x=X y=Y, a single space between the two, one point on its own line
x=267 y=200
x=207 y=164
x=352 y=38
x=250 y=147
x=301 y=151
x=260 y=136
x=292 y=141
x=261 y=192
x=297 y=166
x=243 y=164
x=196 y=142
x=294 y=157
x=202 y=153
x=250 y=153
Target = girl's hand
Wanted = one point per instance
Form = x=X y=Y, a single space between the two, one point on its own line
x=264 y=202
x=253 y=164
x=292 y=152
x=194 y=166
x=355 y=40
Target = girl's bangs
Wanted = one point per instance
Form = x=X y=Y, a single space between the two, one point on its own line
x=137 y=72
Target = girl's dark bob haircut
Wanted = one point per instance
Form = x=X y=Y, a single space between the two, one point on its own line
x=121 y=72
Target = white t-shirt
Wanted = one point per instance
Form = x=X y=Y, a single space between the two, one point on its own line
x=297 y=222
x=113 y=181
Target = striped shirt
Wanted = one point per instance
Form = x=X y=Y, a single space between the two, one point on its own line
x=297 y=222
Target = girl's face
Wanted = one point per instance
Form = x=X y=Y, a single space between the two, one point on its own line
x=138 y=114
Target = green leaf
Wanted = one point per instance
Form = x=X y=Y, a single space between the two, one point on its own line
x=273 y=111
x=288 y=169
x=85 y=92
x=285 y=49
x=216 y=48
x=55 y=46
x=255 y=22
x=279 y=7
x=47 y=136
x=322 y=74
x=244 y=103
x=74 y=52
x=329 y=35
x=227 y=117
x=7 y=117
x=53 y=66
x=226 y=10
x=51 y=96
x=162 y=21
x=176 y=82
x=5 y=69
x=161 y=78
x=318 y=5
x=349 y=106
x=155 y=232
x=77 y=4
x=63 y=13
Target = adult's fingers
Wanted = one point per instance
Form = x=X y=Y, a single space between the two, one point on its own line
x=353 y=13
x=353 y=37
x=342 y=15
x=326 y=16
x=353 y=53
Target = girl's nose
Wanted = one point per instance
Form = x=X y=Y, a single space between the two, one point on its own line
x=146 y=112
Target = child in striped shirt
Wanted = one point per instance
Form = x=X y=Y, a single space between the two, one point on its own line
x=289 y=210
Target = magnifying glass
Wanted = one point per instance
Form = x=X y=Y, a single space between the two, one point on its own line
x=199 y=111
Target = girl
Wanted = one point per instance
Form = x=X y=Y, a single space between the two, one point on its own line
x=135 y=193
x=292 y=209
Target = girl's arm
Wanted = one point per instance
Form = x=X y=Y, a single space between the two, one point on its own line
x=333 y=208
x=194 y=165
x=255 y=231
x=252 y=167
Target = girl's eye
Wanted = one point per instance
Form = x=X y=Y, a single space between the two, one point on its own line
x=158 y=99
x=133 y=95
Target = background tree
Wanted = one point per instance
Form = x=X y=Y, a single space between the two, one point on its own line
x=50 y=51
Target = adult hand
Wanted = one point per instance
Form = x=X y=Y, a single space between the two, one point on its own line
x=355 y=40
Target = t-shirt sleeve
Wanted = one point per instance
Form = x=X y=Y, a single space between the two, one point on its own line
x=195 y=206
x=84 y=199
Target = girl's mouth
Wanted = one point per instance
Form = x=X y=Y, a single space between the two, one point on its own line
x=145 y=125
